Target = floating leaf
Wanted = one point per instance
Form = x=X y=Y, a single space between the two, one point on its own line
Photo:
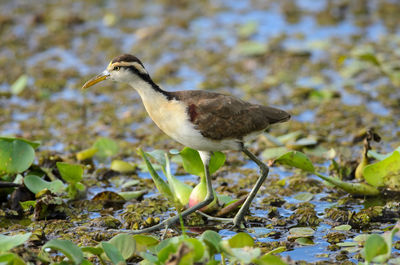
x=374 y=246
x=16 y=155
x=296 y=159
x=274 y=152
x=130 y=195
x=304 y=196
x=122 y=166
x=11 y=259
x=301 y=232
x=270 y=259
x=34 y=144
x=113 y=253
x=143 y=242
x=69 y=249
x=387 y=170
x=125 y=244
x=304 y=241
x=86 y=154
x=241 y=240
x=247 y=29
x=106 y=147
x=36 y=184
x=251 y=48
x=162 y=187
x=212 y=239
x=342 y=228
x=9 y=242
x=197 y=248
x=69 y=172
x=19 y=85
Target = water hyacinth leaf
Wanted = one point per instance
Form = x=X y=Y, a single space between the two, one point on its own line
x=86 y=154
x=165 y=252
x=93 y=250
x=196 y=247
x=69 y=249
x=125 y=244
x=122 y=166
x=34 y=144
x=246 y=255
x=296 y=159
x=247 y=29
x=11 y=258
x=384 y=171
x=274 y=152
x=361 y=238
x=130 y=183
x=270 y=259
x=212 y=239
x=36 y=184
x=192 y=162
x=113 y=253
x=304 y=196
x=105 y=147
x=162 y=187
x=159 y=156
x=251 y=48
x=144 y=242
x=69 y=172
x=130 y=195
x=9 y=242
x=19 y=85
x=342 y=228
x=347 y=244
x=241 y=240
x=374 y=246
x=16 y=156
x=181 y=190
x=304 y=241
x=301 y=232
x=217 y=160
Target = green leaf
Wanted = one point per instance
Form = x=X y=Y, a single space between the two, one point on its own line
x=383 y=171
x=212 y=240
x=247 y=29
x=105 y=147
x=69 y=172
x=130 y=195
x=251 y=48
x=69 y=249
x=19 y=85
x=11 y=259
x=246 y=255
x=27 y=204
x=304 y=241
x=304 y=196
x=144 y=242
x=93 y=250
x=36 y=184
x=9 y=242
x=196 y=246
x=270 y=259
x=122 y=166
x=301 y=232
x=159 y=156
x=16 y=155
x=34 y=144
x=192 y=162
x=86 y=154
x=162 y=187
x=296 y=159
x=342 y=227
x=125 y=244
x=113 y=253
x=374 y=246
x=274 y=152
x=217 y=160
x=165 y=252
x=241 y=240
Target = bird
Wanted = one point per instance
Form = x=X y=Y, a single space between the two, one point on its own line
x=202 y=120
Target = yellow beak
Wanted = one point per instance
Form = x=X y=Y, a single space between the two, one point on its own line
x=96 y=79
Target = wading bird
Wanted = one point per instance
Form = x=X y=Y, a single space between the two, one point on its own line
x=205 y=121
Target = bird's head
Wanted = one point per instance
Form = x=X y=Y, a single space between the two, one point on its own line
x=125 y=68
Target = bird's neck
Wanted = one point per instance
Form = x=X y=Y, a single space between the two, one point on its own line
x=148 y=90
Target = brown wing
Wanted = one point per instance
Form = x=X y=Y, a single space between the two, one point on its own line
x=219 y=116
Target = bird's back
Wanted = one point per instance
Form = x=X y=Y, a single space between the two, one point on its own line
x=218 y=116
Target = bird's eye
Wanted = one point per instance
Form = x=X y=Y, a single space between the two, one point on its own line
x=116 y=68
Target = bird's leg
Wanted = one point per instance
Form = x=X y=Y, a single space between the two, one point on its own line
x=238 y=219
x=209 y=198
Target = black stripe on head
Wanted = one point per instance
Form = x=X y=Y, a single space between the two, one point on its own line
x=126 y=58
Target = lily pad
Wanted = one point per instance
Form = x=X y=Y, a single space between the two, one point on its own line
x=301 y=232
x=16 y=155
x=37 y=184
x=387 y=170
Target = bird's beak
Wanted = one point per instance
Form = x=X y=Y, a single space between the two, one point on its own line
x=103 y=76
